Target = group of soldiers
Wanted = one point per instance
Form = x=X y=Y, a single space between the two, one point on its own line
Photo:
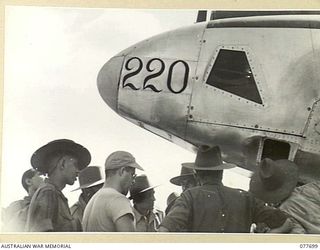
x=120 y=201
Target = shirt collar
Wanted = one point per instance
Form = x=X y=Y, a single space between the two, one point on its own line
x=212 y=182
x=139 y=216
x=47 y=180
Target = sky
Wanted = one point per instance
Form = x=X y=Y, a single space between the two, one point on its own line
x=52 y=59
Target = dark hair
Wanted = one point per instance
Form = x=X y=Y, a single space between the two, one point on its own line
x=27 y=175
x=137 y=198
x=110 y=172
x=209 y=174
x=52 y=162
x=54 y=158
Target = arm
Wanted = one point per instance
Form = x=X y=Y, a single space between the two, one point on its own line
x=125 y=223
x=77 y=214
x=42 y=211
x=285 y=228
x=120 y=211
x=271 y=216
x=297 y=228
x=178 y=218
x=293 y=207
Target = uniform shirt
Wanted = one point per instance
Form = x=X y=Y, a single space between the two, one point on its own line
x=170 y=205
x=104 y=209
x=77 y=209
x=148 y=223
x=49 y=211
x=15 y=215
x=216 y=208
x=304 y=206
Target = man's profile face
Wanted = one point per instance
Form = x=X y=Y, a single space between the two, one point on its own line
x=148 y=202
x=128 y=177
x=70 y=168
x=34 y=182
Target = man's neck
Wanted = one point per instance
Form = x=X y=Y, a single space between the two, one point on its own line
x=143 y=212
x=57 y=182
x=210 y=182
x=31 y=191
x=110 y=183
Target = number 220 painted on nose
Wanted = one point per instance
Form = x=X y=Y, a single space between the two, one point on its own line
x=156 y=72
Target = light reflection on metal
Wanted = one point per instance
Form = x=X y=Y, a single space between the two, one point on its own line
x=169 y=78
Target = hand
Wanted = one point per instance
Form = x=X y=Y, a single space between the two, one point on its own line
x=285 y=228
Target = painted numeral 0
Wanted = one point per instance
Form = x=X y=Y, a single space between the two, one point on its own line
x=185 y=79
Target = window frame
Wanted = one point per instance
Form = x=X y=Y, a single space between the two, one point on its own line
x=255 y=70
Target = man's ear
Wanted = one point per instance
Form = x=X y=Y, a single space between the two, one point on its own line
x=28 y=181
x=121 y=171
x=61 y=163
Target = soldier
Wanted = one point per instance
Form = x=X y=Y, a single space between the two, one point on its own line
x=61 y=160
x=275 y=183
x=90 y=180
x=212 y=207
x=148 y=219
x=186 y=180
x=304 y=205
x=170 y=201
x=109 y=210
x=15 y=215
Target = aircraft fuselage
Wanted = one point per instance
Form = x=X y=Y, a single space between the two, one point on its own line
x=250 y=85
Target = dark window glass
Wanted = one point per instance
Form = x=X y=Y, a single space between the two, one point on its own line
x=231 y=72
x=275 y=150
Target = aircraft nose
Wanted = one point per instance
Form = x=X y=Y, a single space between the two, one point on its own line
x=108 y=81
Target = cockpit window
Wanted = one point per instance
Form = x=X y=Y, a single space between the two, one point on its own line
x=231 y=72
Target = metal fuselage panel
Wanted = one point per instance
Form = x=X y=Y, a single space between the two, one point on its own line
x=156 y=79
x=285 y=64
x=162 y=88
x=280 y=60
